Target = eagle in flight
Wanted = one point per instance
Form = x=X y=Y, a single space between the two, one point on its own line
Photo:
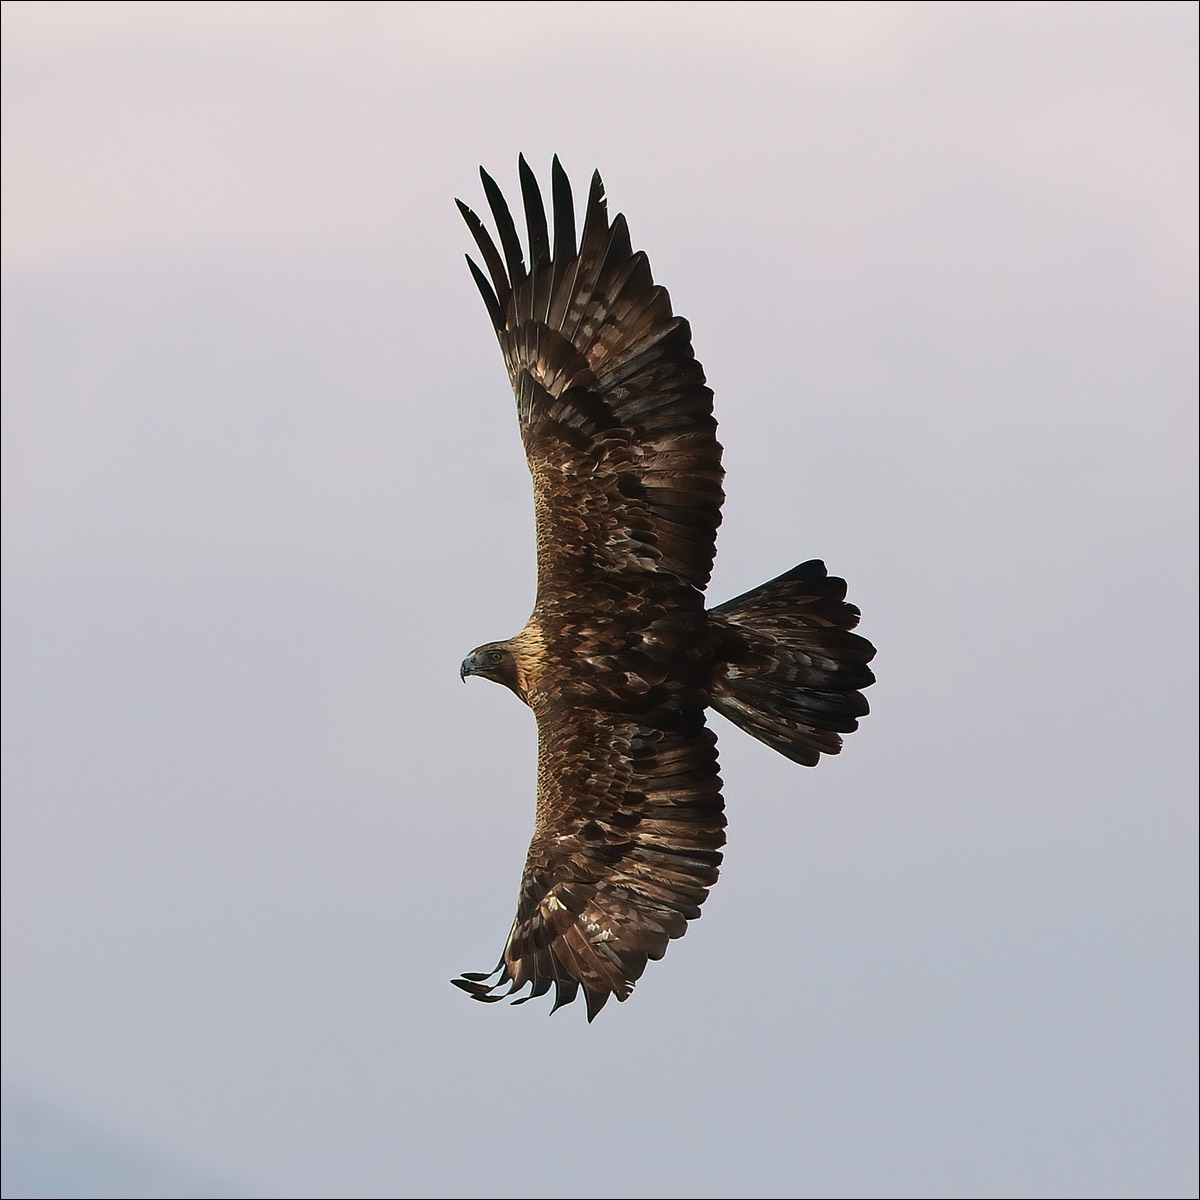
x=621 y=658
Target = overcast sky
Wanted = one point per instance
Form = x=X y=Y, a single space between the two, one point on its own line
x=263 y=489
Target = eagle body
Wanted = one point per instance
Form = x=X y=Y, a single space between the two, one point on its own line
x=620 y=658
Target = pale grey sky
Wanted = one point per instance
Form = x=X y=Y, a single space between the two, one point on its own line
x=263 y=488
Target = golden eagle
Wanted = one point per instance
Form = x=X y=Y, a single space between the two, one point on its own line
x=620 y=657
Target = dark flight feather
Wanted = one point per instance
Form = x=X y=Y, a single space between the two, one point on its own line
x=510 y=243
x=535 y=217
x=620 y=659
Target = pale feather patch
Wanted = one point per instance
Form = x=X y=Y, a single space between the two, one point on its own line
x=529 y=653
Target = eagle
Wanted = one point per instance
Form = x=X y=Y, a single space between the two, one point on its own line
x=620 y=658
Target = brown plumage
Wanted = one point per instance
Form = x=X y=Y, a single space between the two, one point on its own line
x=620 y=658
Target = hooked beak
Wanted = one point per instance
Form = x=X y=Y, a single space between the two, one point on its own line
x=468 y=667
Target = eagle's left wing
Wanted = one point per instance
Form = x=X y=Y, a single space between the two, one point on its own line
x=614 y=410
x=630 y=822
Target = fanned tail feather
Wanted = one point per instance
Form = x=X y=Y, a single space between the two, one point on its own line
x=794 y=672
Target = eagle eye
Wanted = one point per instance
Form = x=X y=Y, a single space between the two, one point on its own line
x=494 y=656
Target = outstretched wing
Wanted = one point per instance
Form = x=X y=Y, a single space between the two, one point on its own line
x=615 y=415
x=630 y=821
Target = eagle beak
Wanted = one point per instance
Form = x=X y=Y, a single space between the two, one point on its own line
x=467 y=668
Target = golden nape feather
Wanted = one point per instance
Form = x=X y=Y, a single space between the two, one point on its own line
x=620 y=659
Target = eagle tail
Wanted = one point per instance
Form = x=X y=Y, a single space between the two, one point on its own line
x=793 y=672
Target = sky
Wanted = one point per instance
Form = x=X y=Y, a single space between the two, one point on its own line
x=263 y=489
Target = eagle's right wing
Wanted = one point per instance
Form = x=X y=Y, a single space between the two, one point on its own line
x=630 y=822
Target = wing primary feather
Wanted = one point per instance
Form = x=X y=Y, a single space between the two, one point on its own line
x=565 y=990
x=595 y=221
x=564 y=261
x=480 y=976
x=489 y=297
x=535 y=216
x=619 y=246
x=564 y=214
x=509 y=242
x=491 y=256
x=541 y=274
x=596 y=1000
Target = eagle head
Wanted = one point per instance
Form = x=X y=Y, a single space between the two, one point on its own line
x=494 y=661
